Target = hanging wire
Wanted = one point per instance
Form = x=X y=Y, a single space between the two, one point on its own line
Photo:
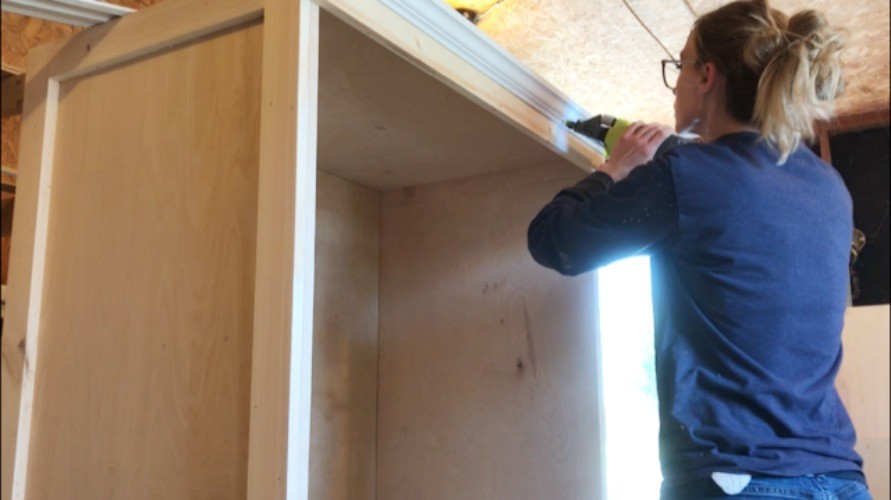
x=639 y=20
x=486 y=12
x=690 y=8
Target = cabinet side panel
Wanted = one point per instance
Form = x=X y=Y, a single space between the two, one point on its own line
x=345 y=325
x=863 y=384
x=143 y=385
x=488 y=362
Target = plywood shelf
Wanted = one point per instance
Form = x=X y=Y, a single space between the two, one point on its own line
x=384 y=123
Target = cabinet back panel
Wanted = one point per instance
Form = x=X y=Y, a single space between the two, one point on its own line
x=488 y=362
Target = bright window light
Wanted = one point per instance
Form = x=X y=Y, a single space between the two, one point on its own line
x=628 y=380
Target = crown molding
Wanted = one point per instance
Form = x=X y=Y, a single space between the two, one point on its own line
x=84 y=13
x=449 y=28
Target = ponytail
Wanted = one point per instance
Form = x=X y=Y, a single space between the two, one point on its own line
x=783 y=74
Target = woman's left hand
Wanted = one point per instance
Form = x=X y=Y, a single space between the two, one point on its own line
x=634 y=148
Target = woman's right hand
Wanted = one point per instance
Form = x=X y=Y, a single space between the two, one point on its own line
x=634 y=148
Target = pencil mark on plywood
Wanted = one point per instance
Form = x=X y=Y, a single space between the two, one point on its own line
x=530 y=343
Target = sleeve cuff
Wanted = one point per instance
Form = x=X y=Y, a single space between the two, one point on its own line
x=602 y=177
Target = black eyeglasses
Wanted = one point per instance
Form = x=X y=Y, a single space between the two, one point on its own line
x=671 y=69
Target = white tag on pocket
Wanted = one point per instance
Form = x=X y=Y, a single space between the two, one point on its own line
x=731 y=484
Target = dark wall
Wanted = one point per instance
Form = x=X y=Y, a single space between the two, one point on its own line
x=862 y=159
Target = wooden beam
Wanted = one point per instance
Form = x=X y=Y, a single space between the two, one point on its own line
x=850 y=123
x=857 y=121
x=12 y=92
x=11 y=70
x=825 y=153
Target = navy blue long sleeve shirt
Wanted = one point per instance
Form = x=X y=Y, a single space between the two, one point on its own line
x=749 y=262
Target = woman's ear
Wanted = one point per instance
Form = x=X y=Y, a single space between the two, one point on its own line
x=708 y=78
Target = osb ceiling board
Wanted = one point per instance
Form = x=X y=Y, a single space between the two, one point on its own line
x=594 y=51
x=866 y=59
x=22 y=33
x=480 y=6
x=605 y=54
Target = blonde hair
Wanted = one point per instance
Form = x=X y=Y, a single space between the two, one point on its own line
x=783 y=73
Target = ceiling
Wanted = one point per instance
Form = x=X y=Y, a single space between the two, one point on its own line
x=604 y=54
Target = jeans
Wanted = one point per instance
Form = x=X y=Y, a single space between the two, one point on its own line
x=816 y=487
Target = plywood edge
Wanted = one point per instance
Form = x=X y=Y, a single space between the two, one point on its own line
x=443 y=44
x=281 y=373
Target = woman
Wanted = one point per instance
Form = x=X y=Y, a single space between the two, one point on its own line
x=749 y=234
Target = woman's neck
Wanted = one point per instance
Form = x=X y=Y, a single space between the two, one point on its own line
x=717 y=131
x=718 y=123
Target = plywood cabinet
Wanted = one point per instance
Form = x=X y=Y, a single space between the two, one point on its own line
x=266 y=249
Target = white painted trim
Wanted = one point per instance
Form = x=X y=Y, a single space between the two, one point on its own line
x=48 y=15
x=303 y=303
x=97 y=6
x=84 y=13
x=598 y=385
x=448 y=27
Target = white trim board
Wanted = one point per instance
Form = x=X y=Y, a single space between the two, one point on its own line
x=85 y=13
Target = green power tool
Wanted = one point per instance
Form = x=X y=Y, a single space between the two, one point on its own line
x=606 y=130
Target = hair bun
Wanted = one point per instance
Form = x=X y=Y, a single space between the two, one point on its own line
x=782 y=73
x=820 y=47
